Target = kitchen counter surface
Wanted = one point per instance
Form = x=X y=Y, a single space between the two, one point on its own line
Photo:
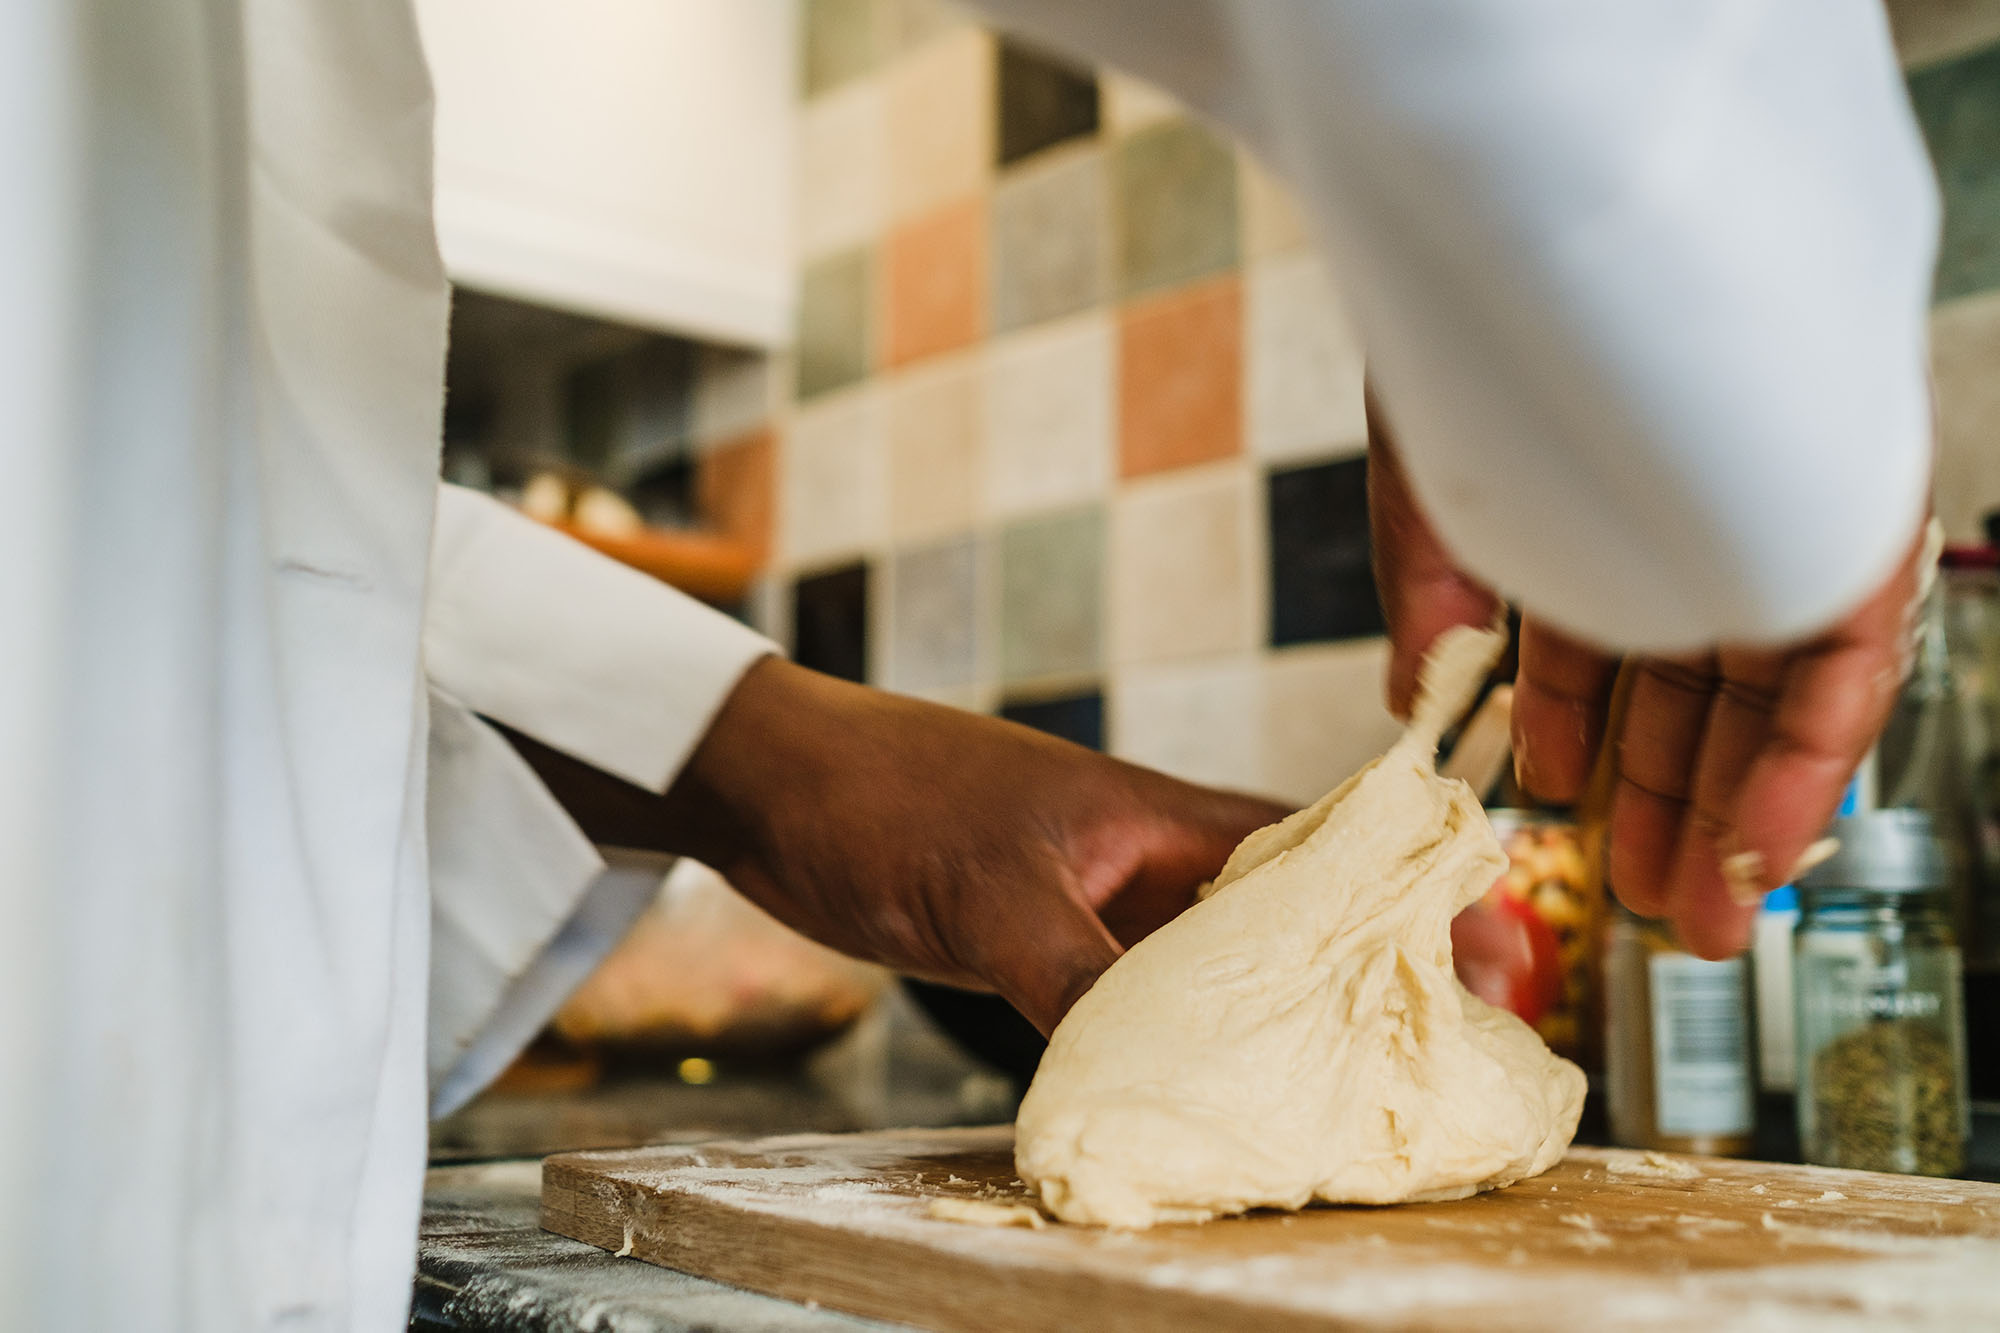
x=483 y=1262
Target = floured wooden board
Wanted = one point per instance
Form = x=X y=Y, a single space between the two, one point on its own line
x=1607 y=1240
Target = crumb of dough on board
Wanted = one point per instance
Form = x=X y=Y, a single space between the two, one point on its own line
x=978 y=1213
x=1651 y=1165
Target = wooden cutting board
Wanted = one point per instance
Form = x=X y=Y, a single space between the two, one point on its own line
x=1607 y=1240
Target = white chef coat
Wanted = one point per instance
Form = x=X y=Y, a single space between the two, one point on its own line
x=1644 y=284
x=229 y=902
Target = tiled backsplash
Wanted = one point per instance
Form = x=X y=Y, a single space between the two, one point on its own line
x=1072 y=431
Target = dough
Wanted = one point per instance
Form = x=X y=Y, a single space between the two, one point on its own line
x=980 y=1213
x=1299 y=1034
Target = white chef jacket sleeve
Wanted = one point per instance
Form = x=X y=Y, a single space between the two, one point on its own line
x=534 y=630
x=1643 y=285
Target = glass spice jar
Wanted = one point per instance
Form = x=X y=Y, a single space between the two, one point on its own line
x=1881 y=1031
x=1680 y=1066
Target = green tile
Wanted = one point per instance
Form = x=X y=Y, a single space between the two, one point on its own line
x=1175 y=205
x=1051 y=576
x=834 y=301
x=1958 y=104
x=842 y=41
x=912 y=23
x=1048 y=241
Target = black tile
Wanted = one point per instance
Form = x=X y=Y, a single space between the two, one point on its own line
x=1042 y=102
x=1074 y=717
x=830 y=622
x=1322 y=576
x=1958 y=105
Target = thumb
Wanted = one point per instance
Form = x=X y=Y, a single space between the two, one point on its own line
x=1042 y=964
x=1149 y=874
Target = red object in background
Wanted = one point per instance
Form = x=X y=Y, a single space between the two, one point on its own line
x=1508 y=956
x=1530 y=945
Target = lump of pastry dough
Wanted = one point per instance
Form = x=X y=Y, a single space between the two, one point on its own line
x=1299 y=1033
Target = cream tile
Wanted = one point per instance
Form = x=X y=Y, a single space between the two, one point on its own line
x=1202 y=721
x=936 y=425
x=940 y=122
x=1181 y=554
x=1130 y=104
x=1272 y=221
x=1323 y=716
x=1965 y=363
x=965 y=698
x=833 y=496
x=1048 y=416
x=1304 y=364
x=843 y=168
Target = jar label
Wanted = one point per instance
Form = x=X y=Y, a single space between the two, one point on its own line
x=1701 y=1046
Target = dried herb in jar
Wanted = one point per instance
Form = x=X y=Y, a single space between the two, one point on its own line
x=1887 y=1099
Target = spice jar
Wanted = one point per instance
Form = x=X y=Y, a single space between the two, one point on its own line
x=1881 y=1033
x=1679 y=1064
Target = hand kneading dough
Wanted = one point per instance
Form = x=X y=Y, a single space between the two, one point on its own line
x=1299 y=1034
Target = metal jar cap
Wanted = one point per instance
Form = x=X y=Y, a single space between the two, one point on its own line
x=1883 y=851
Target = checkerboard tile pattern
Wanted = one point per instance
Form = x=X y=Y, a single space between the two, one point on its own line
x=1072 y=428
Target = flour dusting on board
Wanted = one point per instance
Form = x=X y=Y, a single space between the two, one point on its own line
x=1633 y=1240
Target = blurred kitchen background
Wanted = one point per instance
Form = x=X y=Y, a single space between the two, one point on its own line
x=977 y=375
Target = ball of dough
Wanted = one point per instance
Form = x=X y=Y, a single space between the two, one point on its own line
x=1299 y=1033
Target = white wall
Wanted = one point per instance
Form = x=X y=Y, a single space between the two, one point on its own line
x=627 y=158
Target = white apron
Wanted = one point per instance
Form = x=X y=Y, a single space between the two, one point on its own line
x=224 y=333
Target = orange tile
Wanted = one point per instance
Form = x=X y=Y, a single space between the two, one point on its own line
x=937 y=282
x=735 y=488
x=1180 y=378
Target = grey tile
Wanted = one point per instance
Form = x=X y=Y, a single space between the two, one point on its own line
x=1049 y=241
x=1051 y=595
x=1958 y=105
x=843 y=40
x=1174 y=205
x=934 y=600
x=834 y=324
x=1043 y=102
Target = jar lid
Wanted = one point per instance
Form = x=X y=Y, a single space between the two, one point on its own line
x=1883 y=851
